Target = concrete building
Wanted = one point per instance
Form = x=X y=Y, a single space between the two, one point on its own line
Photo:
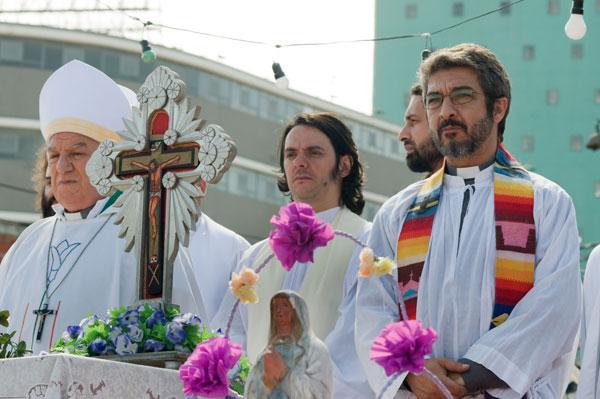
x=555 y=82
x=252 y=110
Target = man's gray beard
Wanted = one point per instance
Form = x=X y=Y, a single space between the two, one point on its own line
x=476 y=136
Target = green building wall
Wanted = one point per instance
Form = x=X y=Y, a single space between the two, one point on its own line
x=555 y=82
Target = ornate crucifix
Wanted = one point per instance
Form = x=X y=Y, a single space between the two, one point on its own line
x=160 y=167
x=152 y=164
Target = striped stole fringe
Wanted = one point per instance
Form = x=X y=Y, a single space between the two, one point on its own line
x=515 y=236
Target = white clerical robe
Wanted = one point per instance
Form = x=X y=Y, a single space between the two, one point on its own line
x=589 y=381
x=215 y=251
x=349 y=380
x=88 y=272
x=533 y=350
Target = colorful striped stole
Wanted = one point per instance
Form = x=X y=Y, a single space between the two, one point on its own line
x=515 y=236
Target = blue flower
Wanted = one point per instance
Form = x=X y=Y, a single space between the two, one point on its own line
x=175 y=332
x=114 y=333
x=129 y=317
x=75 y=332
x=157 y=317
x=124 y=346
x=90 y=320
x=97 y=347
x=135 y=333
x=152 y=345
x=188 y=319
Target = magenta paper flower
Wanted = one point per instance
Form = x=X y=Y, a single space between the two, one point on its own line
x=297 y=234
x=402 y=346
x=204 y=373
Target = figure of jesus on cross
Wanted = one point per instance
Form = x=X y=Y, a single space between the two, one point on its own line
x=154 y=170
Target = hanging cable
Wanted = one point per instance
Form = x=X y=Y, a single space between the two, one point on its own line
x=306 y=44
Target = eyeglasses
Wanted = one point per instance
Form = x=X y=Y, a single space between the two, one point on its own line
x=457 y=97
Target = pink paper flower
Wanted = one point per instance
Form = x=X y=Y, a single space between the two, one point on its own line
x=402 y=346
x=205 y=371
x=297 y=234
x=248 y=276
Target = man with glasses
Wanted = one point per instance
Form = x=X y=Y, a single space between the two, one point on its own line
x=487 y=251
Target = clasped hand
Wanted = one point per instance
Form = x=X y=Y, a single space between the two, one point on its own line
x=448 y=371
x=274 y=368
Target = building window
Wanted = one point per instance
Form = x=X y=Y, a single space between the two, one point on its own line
x=598 y=5
x=11 y=50
x=505 y=7
x=214 y=88
x=551 y=96
x=576 y=142
x=553 y=7
x=597 y=193
x=32 y=54
x=576 y=51
x=527 y=143
x=70 y=54
x=597 y=98
x=272 y=108
x=528 y=52
x=9 y=144
x=410 y=11
x=53 y=57
x=129 y=66
x=458 y=9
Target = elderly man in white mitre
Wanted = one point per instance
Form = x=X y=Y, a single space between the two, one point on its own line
x=63 y=267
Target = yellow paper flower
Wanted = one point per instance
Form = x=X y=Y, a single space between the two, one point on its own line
x=246 y=294
x=383 y=266
x=248 y=276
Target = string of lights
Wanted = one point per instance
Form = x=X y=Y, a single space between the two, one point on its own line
x=306 y=44
x=149 y=55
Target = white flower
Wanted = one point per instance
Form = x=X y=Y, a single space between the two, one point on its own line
x=135 y=333
x=106 y=147
x=138 y=183
x=104 y=186
x=170 y=137
x=169 y=180
x=140 y=143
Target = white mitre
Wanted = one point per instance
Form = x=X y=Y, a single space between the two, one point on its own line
x=79 y=98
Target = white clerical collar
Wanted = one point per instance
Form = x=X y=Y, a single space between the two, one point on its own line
x=459 y=177
x=62 y=213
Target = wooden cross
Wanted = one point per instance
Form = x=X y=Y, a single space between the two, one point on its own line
x=42 y=312
x=164 y=152
x=152 y=163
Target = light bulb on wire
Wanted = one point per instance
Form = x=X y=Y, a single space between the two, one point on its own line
x=148 y=55
x=281 y=81
x=575 y=27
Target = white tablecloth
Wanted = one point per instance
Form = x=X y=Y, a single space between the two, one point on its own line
x=76 y=377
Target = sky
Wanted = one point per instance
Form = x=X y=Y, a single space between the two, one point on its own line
x=339 y=73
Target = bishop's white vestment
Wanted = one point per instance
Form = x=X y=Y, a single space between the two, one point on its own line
x=329 y=297
x=215 y=251
x=533 y=350
x=87 y=271
x=589 y=381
